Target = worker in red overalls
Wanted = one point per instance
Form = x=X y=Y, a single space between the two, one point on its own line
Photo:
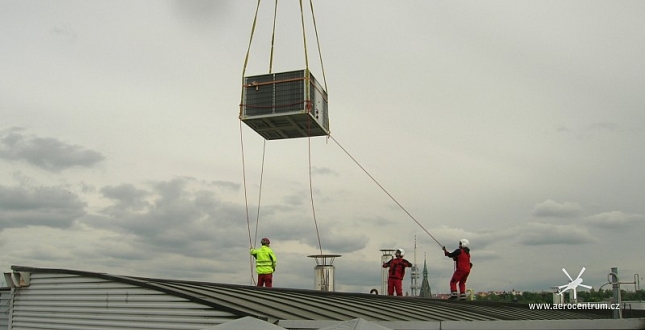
x=461 y=256
x=397 y=271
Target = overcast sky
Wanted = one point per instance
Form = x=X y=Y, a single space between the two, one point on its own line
x=517 y=125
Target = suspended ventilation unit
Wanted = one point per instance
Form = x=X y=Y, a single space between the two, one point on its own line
x=285 y=105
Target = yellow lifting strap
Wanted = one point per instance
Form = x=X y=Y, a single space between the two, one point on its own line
x=304 y=38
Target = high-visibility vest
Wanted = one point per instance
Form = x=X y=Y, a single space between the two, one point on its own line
x=265 y=260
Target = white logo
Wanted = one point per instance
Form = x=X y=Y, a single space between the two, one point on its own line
x=573 y=284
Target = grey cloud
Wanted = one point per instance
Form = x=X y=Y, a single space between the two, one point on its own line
x=562 y=129
x=42 y=252
x=550 y=208
x=591 y=130
x=127 y=198
x=324 y=171
x=108 y=248
x=86 y=188
x=47 y=153
x=486 y=238
x=363 y=274
x=602 y=126
x=477 y=240
x=332 y=238
x=42 y=206
x=173 y=217
x=343 y=242
x=64 y=32
x=125 y=192
x=486 y=255
x=549 y=234
x=376 y=221
x=198 y=8
x=297 y=199
x=615 y=220
x=226 y=185
x=294 y=229
x=171 y=190
x=200 y=13
x=271 y=209
x=302 y=229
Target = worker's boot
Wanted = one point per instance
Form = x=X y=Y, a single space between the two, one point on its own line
x=453 y=295
x=462 y=296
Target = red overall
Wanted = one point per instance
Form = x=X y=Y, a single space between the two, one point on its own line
x=397 y=271
x=266 y=280
x=461 y=257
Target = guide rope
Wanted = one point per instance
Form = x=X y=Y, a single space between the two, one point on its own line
x=385 y=190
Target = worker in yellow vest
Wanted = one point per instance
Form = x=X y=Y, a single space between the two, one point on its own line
x=265 y=261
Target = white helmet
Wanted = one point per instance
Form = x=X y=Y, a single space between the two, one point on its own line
x=464 y=243
x=401 y=251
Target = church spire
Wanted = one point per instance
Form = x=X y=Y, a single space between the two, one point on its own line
x=425 y=285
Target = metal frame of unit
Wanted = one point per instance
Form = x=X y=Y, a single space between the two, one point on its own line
x=285 y=105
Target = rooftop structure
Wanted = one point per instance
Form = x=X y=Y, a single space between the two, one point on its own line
x=73 y=299
x=324 y=271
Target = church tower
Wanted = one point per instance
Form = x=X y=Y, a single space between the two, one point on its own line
x=425 y=285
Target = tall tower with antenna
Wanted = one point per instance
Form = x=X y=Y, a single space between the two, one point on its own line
x=414 y=273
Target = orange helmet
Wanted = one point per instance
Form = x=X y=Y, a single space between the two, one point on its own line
x=265 y=241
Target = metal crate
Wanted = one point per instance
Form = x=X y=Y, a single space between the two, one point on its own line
x=285 y=105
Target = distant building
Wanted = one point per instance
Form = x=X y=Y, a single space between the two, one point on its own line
x=425 y=285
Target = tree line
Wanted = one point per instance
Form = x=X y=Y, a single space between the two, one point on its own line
x=547 y=297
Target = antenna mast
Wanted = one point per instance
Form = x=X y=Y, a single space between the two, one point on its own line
x=414 y=276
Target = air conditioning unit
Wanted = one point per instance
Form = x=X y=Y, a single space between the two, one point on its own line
x=285 y=105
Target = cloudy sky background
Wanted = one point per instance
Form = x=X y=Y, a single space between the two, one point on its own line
x=516 y=125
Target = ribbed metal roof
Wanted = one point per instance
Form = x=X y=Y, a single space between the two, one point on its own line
x=299 y=304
